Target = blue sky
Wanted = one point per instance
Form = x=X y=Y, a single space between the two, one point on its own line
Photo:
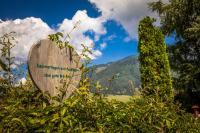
x=50 y=11
x=115 y=23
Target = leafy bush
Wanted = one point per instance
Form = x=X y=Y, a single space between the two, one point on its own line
x=28 y=110
x=154 y=63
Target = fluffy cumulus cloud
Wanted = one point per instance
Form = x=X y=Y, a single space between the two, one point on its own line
x=126 y=12
x=30 y=30
x=86 y=23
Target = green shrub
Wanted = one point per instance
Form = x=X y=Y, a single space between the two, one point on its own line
x=30 y=111
x=154 y=64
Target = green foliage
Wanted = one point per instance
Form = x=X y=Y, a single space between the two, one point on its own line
x=7 y=60
x=28 y=110
x=181 y=19
x=3 y=66
x=154 y=64
x=177 y=15
x=7 y=42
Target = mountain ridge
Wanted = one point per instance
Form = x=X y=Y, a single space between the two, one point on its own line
x=119 y=77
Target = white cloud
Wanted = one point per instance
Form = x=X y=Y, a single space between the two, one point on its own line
x=23 y=81
x=96 y=53
x=86 y=24
x=126 y=12
x=103 y=45
x=30 y=30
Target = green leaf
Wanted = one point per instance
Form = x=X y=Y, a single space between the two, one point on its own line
x=19 y=121
x=55 y=118
x=59 y=34
x=3 y=66
x=63 y=111
x=168 y=124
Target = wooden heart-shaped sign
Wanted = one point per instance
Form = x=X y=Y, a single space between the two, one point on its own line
x=53 y=69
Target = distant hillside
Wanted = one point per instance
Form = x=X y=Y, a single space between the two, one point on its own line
x=120 y=77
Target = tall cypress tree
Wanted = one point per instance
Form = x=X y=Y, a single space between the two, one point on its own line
x=154 y=63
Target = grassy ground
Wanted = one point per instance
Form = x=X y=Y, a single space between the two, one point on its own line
x=122 y=98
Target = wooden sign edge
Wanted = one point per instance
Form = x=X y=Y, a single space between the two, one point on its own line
x=28 y=62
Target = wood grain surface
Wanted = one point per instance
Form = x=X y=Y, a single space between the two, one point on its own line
x=52 y=68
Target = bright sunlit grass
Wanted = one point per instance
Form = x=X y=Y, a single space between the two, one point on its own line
x=121 y=98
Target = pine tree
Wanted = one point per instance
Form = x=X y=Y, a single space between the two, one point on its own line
x=154 y=63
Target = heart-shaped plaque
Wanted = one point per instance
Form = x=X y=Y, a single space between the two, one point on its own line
x=53 y=69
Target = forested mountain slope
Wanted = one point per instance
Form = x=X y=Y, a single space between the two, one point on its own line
x=120 y=77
